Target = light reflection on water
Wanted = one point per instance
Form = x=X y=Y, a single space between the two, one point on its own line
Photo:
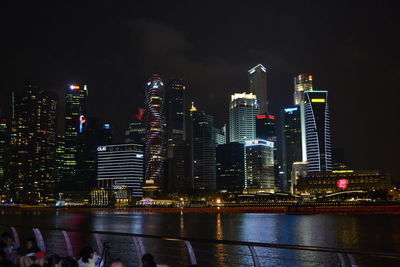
x=372 y=232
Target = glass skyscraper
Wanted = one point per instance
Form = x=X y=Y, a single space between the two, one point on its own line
x=291 y=142
x=155 y=140
x=230 y=167
x=203 y=151
x=258 y=85
x=176 y=135
x=316 y=132
x=243 y=110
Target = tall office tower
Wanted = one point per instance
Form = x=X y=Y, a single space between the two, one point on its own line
x=136 y=132
x=176 y=127
x=258 y=85
x=259 y=167
x=33 y=146
x=75 y=129
x=230 y=167
x=155 y=143
x=121 y=166
x=316 y=139
x=203 y=151
x=291 y=142
x=242 y=117
x=302 y=83
x=3 y=151
x=175 y=96
x=220 y=135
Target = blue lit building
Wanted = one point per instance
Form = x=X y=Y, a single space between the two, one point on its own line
x=316 y=139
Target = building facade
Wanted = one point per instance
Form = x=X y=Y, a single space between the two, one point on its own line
x=316 y=139
x=121 y=166
x=230 y=167
x=31 y=174
x=155 y=139
x=243 y=110
x=259 y=167
x=258 y=85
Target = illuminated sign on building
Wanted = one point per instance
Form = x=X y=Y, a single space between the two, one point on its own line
x=261 y=116
x=82 y=121
x=290 y=109
x=74 y=87
x=342 y=184
x=318 y=100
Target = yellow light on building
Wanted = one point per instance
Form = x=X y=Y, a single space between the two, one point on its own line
x=318 y=100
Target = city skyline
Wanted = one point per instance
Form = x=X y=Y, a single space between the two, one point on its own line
x=222 y=71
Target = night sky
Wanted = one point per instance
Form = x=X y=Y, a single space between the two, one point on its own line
x=352 y=50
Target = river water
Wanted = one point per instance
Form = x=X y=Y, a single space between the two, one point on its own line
x=365 y=232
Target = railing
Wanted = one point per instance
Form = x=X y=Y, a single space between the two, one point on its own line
x=344 y=257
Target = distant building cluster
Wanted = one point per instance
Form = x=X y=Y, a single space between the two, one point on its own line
x=172 y=147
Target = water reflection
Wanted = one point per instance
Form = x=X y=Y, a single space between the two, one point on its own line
x=374 y=232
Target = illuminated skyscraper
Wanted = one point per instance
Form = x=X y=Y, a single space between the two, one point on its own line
x=175 y=95
x=31 y=177
x=136 y=132
x=203 y=151
x=316 y=137
x=259 y=167
x=176 y=135
x=258 y=85
x=155 y=144
x=302 y=83
x=75 y=128
x=243 y=110
x=291 y=143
